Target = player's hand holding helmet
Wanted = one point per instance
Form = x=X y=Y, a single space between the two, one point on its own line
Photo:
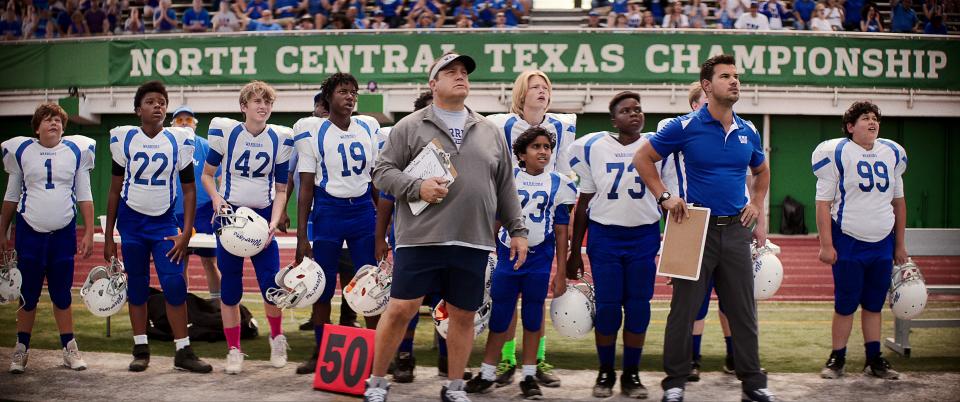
x=105 y=290
x=908 y=291
x=573 y=312
x=767 y=270
x=299 y=286
x=10 y=277
x=243 y=232
x=369 y=291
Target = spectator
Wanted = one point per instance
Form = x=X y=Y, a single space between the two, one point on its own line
x=932 y=8
x=593 y=20
x=265 y=23
x=286 y=12
x=834 y=15
x=648 y=21
x=656 y=7
x=802 y=11
x=620 y=21
x=676 y=18
x=634 y=15
x=501 y=21
x=30 y=22
x=731 y=10
x=378 y=21
x=485 y=13
x=40 y=6
x=305 y=23
x=512 y=10
x=165 y=19
x=619 y=6
x=254 y=10
x=78 y=27
x=595 y=4
x=151 y=6
x=935 y=26
x=818 y=22
x=467 y=10
x=421 y=7
x=319 y=10
x=114 y=14
x=425 y=20
x=358 y=23
x=64 y=16
x=872 y=22
x=903 y=18
x=463 y=21
x=696 y=13
x=852 y=14
x=96 y=19
x=226 y=20
x=391 y=11
x=196 y=18
x=753 y=20
x=339 y=21
x=775 y=12
x=134 y=25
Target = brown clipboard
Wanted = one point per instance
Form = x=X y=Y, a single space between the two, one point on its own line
x=682 y=249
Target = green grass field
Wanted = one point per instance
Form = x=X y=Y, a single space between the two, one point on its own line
x=794 y=337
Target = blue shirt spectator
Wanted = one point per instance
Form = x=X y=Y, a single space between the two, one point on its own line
x=285 y=8
x=803 y=10
x=41 y=5
x=192 y=16
x=619 y=6
x=656 y=8
x=776 y=13
x=389 y=7
x=935 y=26
x=12 y=29
x=904 y=19
x=255 y=9
x=853 y=14
x=506 y=6
x=485 y=13
x=164 y=25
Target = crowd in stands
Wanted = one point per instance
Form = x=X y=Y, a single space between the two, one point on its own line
x=44 y=19
x=826 y=15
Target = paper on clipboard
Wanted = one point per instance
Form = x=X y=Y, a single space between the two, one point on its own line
x=432 y=161
x=682 y=249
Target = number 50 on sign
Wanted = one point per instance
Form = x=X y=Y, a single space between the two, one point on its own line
x=345 y=361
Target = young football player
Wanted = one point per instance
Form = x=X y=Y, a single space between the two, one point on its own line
x=146 y=163
x=623 y=220
x=546 y=198
x=48 y=175
x=336 y=157
x=861 y=218
x=253 y=157
x=532 y=94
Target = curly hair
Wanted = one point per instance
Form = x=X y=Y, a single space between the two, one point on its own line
x=148 y=87
x=330 y=85
x=528 y=137
x=857 y=109
x=424 y=100
x=46 y=110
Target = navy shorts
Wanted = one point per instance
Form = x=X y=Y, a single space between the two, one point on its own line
x=457 y=273
x=45 y=255
x=861 y=275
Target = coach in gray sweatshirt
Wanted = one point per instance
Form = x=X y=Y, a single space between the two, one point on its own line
x=445 y=247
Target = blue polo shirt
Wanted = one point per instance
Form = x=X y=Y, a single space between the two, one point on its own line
x=715 y=162
x=200 y=151
x=804 y=8
x=192 y=15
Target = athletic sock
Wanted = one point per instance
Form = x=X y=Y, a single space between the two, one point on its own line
x=509 y=352
x=233 y=337
x=185 y=341
x=842 y=353
x=872 y=349
x=529 y=370
x=456 y=385
x=139 y=339
x=542 y=349
x=276 y=325
x=66 y=338
x=631 y=358
x=24 y=338
x=729 y=341
x=606 y=354
x=488 y=371
x=318 y=334
x=378 y=382
x=406 y=345
x=442 y=346
x=696 y=346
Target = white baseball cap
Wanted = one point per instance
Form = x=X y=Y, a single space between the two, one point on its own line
x=444 y=61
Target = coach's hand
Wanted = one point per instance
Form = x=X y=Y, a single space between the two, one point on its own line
x=749 y=216
x=181 y=242
x=677 y=208
x=828 y=255
x=433 y=190
x=518 y=251
x=109 y=248
x=574 y=265
x=303 y=249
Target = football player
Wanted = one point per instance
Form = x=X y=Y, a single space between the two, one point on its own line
x=532 y=94
x=861 y=218
x=254 y=156
x=336 y=157
x=546 y=198
x=623 y=220
x=146 y=160
x=45 y=171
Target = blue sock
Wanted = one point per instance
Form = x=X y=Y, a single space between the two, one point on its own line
x=607 y=355
x=318 y=334
x=696 y=346
x=729 y=342
x=631 y=359
x=842 y=353
x=442 y=346
x=66 y=338
x=406 y=345
x=24 y=338
x=872 y=349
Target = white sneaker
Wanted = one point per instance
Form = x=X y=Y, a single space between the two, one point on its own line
x=71 y=357
x=278 y=351
x=20 y=355
x=234 y=361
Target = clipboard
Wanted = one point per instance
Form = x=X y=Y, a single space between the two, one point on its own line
x=682 y=250
x=432 y=161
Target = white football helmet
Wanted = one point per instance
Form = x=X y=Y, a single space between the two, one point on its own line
x=767 y=270
x=573 y=312
x=369 y=291
x=105 y=290
x=908 y=291
x=480 y=321
x=243 y=232
x=299 y=286
x=10 y=277
x=488 y=275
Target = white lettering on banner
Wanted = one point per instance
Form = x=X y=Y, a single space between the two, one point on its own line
x=938 y=60
x=498 y=50
x=142 y=62
x=215 y=54
x=872 y=58
x=282 y=54
x=393 y=59
x=423 y=60
x=893 y=62
x=779 y=56
x=817 y=53
x=847 y=62
x=750 y=60
x=247 y=59
x=612 y=56
x=166 y=62
x=310 y=60
x=685 y=54
x=338 y=58
x=584 y=62
x=553 y=52
x=651 y=63
x=918 y=67
x=524 y=57
x=190 y=61
x=367 y=51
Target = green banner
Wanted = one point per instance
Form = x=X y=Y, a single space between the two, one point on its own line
x=637 y=57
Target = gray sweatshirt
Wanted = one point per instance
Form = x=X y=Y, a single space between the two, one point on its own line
x=482 y=192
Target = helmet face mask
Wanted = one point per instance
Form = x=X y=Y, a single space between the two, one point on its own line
x=298 y=286
x=10 y=277
x=105 y=290
x=243 y=232
x=369 y=291
x=908 y=291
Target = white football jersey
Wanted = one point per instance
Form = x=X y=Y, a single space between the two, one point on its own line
x=563 y=128
x=151 y=165
x=540 y=197
x=341 y=160
x=861 y=184
x=605 y=168
x=43 y=179
x=384 y=133
x=250 y=162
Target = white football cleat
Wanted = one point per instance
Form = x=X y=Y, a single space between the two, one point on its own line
x=71 y=357
x=278 y=351
x=234 y=361
x=19 y=363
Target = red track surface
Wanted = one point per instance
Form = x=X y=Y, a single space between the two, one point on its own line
x=805 y=278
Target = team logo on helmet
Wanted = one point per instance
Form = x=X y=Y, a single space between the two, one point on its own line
x=299 y=286
x=105 y=290
x=767 y=270
x=10 y=277
x=369 y=291
x=243 y=232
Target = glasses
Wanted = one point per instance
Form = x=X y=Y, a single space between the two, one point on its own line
x=184 y=120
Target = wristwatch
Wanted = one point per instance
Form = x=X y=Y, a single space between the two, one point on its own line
x=663 y=197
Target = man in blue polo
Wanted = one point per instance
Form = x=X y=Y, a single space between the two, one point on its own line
x=718 y=147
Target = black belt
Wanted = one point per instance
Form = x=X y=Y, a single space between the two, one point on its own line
x=724 y=220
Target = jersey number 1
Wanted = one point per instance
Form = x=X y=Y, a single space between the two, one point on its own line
x=49 y=165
